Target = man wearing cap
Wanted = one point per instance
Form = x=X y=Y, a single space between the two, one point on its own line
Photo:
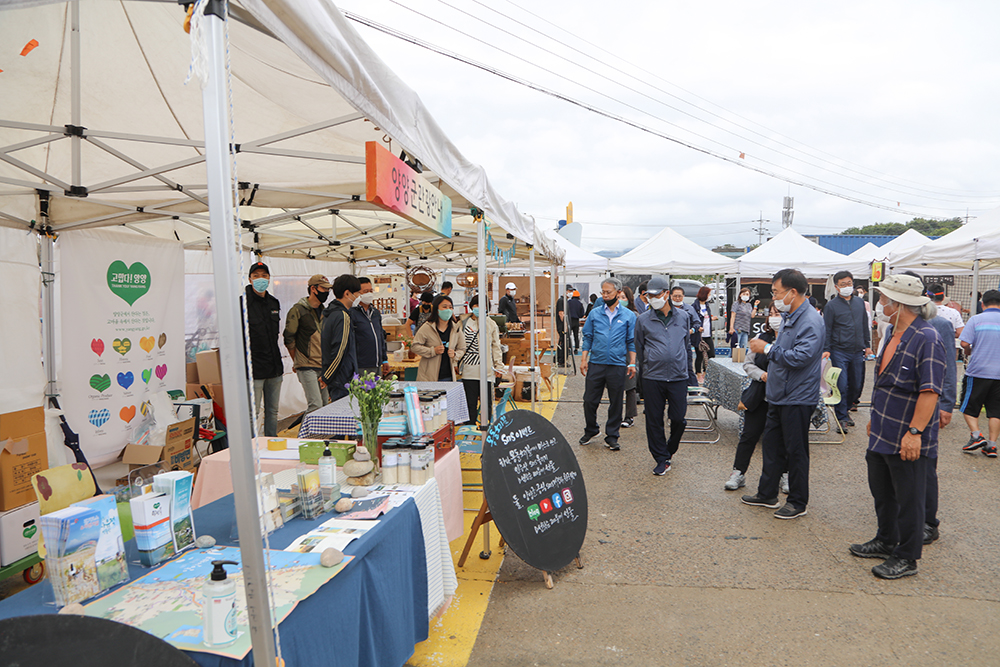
x=369 y=337
x=981 y=340
x=264 y=324
x=936 y=292
x=903 y=431
x=662 y=335
x=339 y=353
x=507 y=305
x=304 y=337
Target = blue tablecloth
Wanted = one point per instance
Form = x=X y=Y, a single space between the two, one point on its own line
x=371 y=613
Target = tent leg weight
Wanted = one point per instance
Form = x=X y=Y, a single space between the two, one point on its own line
x=548 y=580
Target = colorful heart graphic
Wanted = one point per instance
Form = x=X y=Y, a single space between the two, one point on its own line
x=147 y=343
x=163 y=340
x=161 y=371
x=99 y=417
x=146 y=374
x=144 y=408
x=126 y=379
x=121 y=346
x=130 y=283
x=127 y=414
x=30 y=531
x=97 y=345
x=100 y=382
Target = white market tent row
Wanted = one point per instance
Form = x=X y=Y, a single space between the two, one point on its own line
x=577 y=260
x=977 y=242
x=112 y=136
x=670 y=253
x=911 y=238
x=869 y=252
x=789 y=249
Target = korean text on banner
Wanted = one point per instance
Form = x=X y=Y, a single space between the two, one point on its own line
x=396 y=186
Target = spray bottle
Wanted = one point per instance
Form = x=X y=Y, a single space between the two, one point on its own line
x=218 y=610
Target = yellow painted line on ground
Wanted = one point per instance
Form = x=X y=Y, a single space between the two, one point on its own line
x=453 y=635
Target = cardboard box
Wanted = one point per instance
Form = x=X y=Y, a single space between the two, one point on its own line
x=18 y=534
x=140 y=456
x=22 y=454
x=739 y=355
x=196 y=407
x=178 y=452
x=215 y=393
x=209 y=367
x=192 y=373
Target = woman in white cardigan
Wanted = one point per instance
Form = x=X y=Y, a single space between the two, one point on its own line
x=468 y=357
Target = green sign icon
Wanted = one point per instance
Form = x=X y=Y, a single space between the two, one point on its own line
x=100 y=382
x=130 y=283
x=534 y=512
x=30 y=531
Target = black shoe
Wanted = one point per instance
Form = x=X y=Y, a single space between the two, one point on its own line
x=789 y=511
x=757 y=501
x=611 y=444
x=661 y=468
x=628 y=423
x=895 y=568
x=874 y=548
x=848 y=421
x=586 y=439
x=930 y=533
x=854 y=408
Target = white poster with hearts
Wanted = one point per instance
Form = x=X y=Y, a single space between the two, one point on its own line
x=122 y=332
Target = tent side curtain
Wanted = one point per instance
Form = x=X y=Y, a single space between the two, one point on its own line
x=320 y=35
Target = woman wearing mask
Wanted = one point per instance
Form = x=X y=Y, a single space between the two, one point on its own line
x=422 y=312
x=739 y=321
x=706 y=348
x=626 y=299
x=755 y=415
x=435 y=343
x=468 y=357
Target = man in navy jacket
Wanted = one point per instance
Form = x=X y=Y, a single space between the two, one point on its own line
x=848 y=341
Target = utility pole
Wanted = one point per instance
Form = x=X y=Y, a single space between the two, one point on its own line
x=760 y=228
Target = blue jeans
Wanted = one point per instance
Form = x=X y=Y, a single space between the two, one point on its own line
x=742 y=337
x=269 y=390
x=852 y=375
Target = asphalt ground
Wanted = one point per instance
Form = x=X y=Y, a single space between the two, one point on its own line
x=678 y=572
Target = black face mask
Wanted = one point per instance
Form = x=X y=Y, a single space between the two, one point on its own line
x=322 y=296
x=610 y=302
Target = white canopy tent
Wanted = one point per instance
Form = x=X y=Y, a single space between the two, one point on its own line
x=789 y=249
x=976 y=242
x=868 y=252
x=670 y=253
x=577 y=260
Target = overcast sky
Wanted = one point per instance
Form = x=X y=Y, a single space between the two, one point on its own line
x=893 y=103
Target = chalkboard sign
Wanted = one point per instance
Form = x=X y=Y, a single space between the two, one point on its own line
x=534 y=489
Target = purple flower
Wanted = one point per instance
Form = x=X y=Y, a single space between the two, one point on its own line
x=347 y=385
x=369 y=385
x=356 y=377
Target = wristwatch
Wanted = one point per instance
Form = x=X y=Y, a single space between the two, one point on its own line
x=914 y=431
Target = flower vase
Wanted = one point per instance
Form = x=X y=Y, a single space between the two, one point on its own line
x=369 y=438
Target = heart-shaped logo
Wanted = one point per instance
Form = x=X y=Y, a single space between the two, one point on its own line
x=144 y=408
x=161 y=371
x=126 y=379
x=163 y=340
x=100 y=382
x=99 y=417
x=127 y=413
x=130 y=283
x=146 y=374
x=97 y=345
x=30 y=531
x=121 y=346
x=147 y=343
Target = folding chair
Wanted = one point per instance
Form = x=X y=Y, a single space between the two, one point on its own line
x=707 y=425
x=831 y=397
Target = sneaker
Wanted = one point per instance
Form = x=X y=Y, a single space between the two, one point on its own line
x=874 y=548
x=736 y=481
x=990 y=451
x=854 y=408
x=661 y=468
x=611 y=444
x=895 y=568
x=757 y=501
x=847 y=422
x=931 y=533
x=628 y=423
x=975 y=442
x=587 y=439
x=789 y=511
x=783 y=483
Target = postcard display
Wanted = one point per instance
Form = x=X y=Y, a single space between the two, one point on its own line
x=122 y=333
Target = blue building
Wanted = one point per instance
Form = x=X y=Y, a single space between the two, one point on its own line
x=845 y=244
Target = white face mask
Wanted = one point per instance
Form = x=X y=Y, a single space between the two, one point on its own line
x=846 y=291
x=512 y=292
x=367 y=298
x=880 y=313
x=745 y=297
x=657 y=302
x=782 y=306
x=357 y=300
x=678 y=300
x=774 y=321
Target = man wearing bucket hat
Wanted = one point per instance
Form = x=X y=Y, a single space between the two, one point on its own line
x=903 y=431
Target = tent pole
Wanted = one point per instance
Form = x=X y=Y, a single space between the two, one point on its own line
x=974 y=301
x=553 y=336
x=75 y=85
x=531 y=314
x=231 y=339
x=485 y=413
x=48 y=312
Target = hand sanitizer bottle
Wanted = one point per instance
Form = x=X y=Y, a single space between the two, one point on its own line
x=327 y=468
x=218 y=606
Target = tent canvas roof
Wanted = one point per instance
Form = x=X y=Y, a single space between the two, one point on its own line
x=868 y=252
x=789 y=249
x=670 y=253
x=956 y=251
x=578 y=260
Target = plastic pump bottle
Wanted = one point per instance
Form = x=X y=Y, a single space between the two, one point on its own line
x=327 y=468
x=218 y=611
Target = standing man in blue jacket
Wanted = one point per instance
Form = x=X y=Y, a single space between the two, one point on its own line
x=848 y=341
x=369 y=337
x=793 y=375
x=662 y=339
x=609 y=343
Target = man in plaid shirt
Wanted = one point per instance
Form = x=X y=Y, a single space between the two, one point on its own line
x=903 y=431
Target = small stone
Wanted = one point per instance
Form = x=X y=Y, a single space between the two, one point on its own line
x=364 y=480
x=344 y=505
x=329 y=557
x=359 y=492
x=362 y=454
x=358 y=468
x=75 y=608
x=205 y=542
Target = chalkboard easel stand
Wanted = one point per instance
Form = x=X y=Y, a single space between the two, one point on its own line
x=483 y=519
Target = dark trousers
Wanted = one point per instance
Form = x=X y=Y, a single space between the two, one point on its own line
x=930 y=510
x=753 y=427
x=472 y=400
x=899 y=489
x=692 y=378
x=574 y=334
x=656 y=395
x=599 y=378
x=561 y=347
x=851 y=380
x=785 y=446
